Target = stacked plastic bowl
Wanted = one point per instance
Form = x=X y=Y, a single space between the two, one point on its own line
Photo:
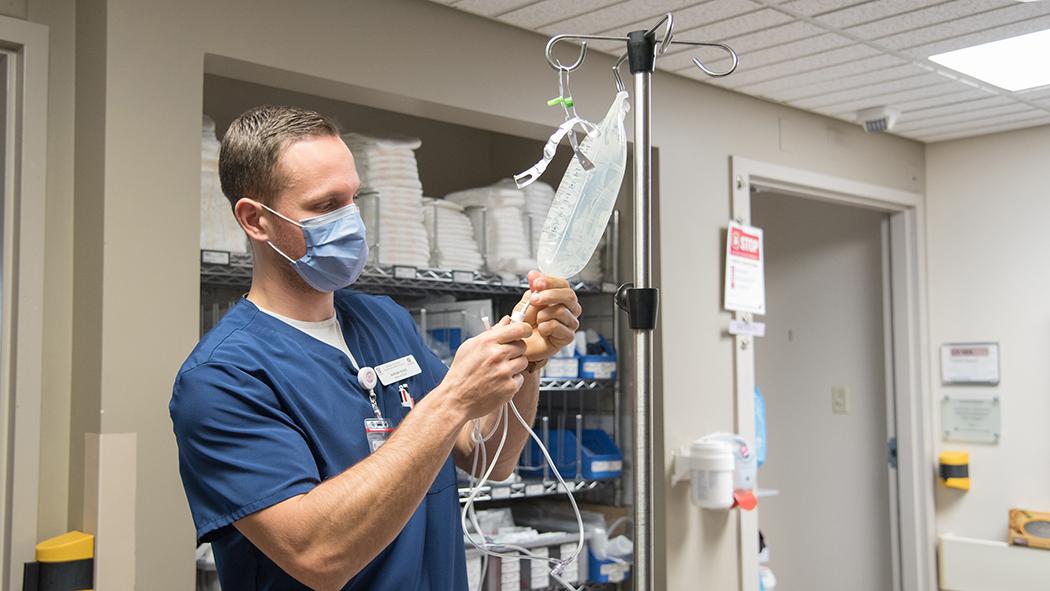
x=219 y=229
x=496 y=214
x=391 y=198
x=452 y=244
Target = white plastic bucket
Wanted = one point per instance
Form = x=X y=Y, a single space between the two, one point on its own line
x=712 y=483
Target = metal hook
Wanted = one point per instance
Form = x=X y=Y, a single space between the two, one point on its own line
x=620 y=87
x=668 y=33
x=701 y=65
x=557 y=65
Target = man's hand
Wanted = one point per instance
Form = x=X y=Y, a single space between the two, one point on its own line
x=554 y=311
x=486 y=371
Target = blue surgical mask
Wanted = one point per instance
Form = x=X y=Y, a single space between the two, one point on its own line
x=336 y=250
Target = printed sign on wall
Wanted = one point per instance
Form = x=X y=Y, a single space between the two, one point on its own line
x=970 y=363
x=745 y=280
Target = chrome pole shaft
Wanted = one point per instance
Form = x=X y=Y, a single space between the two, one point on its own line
x=643 y=339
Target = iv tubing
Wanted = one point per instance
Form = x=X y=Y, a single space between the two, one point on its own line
x=490 y=548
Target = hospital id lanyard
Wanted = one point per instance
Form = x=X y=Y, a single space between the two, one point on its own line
x=367 y=379
x=377 y=429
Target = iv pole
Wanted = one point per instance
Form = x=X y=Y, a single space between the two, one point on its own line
x=640 y=300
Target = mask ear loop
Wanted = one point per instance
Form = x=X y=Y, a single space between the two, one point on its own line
x=285 y=218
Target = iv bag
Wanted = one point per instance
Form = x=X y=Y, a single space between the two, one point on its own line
x=585 y=198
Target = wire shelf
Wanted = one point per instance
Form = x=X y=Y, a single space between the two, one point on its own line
x=528 y=489
x=575 y=385
x=235 y=270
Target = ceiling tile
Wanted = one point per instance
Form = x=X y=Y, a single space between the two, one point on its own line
x=958 y=107
x=778 y=35
x=780 y=53
x=811 y=7
x=1037 y=94
x=974 y=23
x=926 y=17
x=853 y=68
x=871 y=91
x=800 y=90
x=681 y=56
x=871 y=11
x=615 y=16
x=993 y=34
x=490 y=7
x=806 y=53
x=701 y=14
x=967 y=94
x=745 y=75
x=538 y=14
x=1004 y=124
x=965 y=118
x=891 y=100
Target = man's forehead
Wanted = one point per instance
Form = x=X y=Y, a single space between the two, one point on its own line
x=314 y=165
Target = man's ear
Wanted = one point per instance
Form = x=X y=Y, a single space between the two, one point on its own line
x=249 y=215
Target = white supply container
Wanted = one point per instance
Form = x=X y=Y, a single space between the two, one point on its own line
x=712 y=474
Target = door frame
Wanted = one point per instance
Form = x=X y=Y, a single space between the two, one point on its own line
x=21 y=330
x=907 y=365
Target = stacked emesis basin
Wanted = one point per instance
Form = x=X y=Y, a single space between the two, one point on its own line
x=452 y=244
x=391 y=198
x=219 y=229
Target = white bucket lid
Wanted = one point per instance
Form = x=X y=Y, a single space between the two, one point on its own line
x=711 y=455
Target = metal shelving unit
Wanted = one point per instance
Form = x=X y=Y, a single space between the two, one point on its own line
x=222 y=269
x=529 y=489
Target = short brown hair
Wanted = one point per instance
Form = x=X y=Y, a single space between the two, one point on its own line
x=252 y=146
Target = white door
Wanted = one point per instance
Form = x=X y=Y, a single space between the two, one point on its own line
x=822 y=368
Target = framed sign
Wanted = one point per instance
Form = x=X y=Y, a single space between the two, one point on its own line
x=972 y=419
x=970 y=363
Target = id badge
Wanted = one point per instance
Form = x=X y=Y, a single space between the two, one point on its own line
x=377 y=431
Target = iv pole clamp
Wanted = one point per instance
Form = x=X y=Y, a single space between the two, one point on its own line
x=640 y=300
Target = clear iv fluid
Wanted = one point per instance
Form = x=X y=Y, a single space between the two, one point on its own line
x=585 y=198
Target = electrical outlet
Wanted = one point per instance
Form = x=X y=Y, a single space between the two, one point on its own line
x=840 y=400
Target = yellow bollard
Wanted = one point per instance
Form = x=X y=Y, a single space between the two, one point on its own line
x=63 y=563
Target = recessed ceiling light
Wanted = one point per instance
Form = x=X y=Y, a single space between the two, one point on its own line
x=1017 y=63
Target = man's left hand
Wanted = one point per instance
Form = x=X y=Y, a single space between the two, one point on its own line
x=554 y=312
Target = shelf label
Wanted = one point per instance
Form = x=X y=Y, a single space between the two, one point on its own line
x=215 y=257
x=535 y=490
x=501 y=492
x=404 y=272
x=607 y=466
x=463 y=276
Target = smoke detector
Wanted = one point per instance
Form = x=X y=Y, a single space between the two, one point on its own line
x=877 y=119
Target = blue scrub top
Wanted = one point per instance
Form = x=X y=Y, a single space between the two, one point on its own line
x=264 y=412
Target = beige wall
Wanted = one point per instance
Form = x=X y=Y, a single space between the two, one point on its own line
x=988 y=204
x=824 y=329
x=139 y=94
x=58 y=257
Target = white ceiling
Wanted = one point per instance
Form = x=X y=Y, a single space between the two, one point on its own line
x=833 y=57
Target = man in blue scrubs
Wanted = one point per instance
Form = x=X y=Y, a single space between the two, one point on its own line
x=318 y=436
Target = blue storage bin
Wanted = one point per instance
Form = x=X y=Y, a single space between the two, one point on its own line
x=562 y=447
x=601 y=458
x=606 y=571
x=598 y=367
x=453 y=337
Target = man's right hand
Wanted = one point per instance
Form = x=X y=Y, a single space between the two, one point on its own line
x=487 y=369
